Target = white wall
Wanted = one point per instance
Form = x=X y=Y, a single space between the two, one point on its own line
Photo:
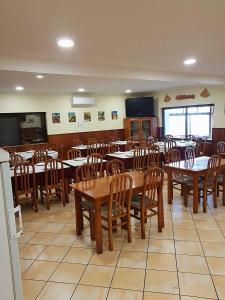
x=217 y=97
x=22 y=102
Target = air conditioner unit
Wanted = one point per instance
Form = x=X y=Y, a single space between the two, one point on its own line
x=82 y=101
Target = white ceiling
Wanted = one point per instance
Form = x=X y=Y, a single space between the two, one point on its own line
x=118 y=44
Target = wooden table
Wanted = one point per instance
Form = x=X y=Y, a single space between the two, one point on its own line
x=98 y=191
x=194 y=168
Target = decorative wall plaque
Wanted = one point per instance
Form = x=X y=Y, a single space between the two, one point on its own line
x=185 y=97
x=205 y=93
x=167 y=98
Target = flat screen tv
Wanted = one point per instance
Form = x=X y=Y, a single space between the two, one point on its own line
x=140 y=107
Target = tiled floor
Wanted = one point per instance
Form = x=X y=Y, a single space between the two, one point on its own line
x=186 y=261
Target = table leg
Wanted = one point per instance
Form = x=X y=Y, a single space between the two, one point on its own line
x=170 y=187
x=160 y=207
x=78 y=213
x=98 y=228
x=195 y=193
x=66 y=185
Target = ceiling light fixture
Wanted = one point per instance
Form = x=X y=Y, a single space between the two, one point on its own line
x=39 y=76
x=190 y=61
x=128 y=91
x=19 y=88
x=65 y=43
x=81 y=90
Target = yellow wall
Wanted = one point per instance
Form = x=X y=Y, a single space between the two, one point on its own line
x=22 y=102
x=217 y=97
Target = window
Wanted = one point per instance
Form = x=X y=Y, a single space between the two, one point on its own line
x=185 y=120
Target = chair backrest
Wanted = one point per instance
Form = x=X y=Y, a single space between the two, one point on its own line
x=150 y=140
x=24 y=178
x=54 y=172
x=189 y=153
x=85 y=172
x=153 y=179
x=152 y=158
x=198 y=146
x=102 y=147
x=173 y=155
x=130 y=144
x=169 y=144
x=15 y=159
x=220 y=147
x=114 y=167
x=139 y=159
x=91 y=148
x=73 y=153
x=95 y=159
x=112 y=148
x=143 y=142
x=9 y=149
x=39 y=156
x=120 y=194
x=191 y=137
x=76 y=142
x=213 y=169
x=168 y=137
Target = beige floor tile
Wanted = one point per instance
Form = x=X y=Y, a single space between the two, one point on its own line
x=40 y=270
x=161 y=261
x=219 y=282
x=25 y=264
x=33 y=226
x=211 y=236
x=221 y=224
x=68 y=273
x=63 y=219
x=183 y=224
x=214 y=249
x=203 y=216
x=219 y=216
x=32 y=288
x=57 y=291
x=103 y=278
x=206 y=225
x=117 y=243
x=26 y=237
x=27 y=217
x=62 y=239
x=69 y=229
x=127 y=278
x=194 y=298
x=189 y=248
x=53 y=253
x=161 y=282
x=84 y=292
x=216 y=265
x=166 y=234
x=186 y=235
x=168 y=223
x=78 y=255
x=42 y=238
x=161 y=246
x=196 y=285
x=132 y=259
x=53 y=227
x=118 y=294
x=159 y=296
x=84 y=242
x=182 y=215
x=192 y=264
x=42 y=217
x=136 y=245
x=107 y=258
x=31 y=251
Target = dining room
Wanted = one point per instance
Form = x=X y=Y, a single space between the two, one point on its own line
x=112 y=150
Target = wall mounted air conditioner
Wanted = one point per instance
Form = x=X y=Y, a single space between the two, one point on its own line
x=82 y=101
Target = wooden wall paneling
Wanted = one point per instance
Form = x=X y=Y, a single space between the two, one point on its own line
x=218 y=134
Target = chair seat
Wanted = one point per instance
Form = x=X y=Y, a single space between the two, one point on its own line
x=87 y=204
x=119 y=210
x=136 y=202
x=220 y=179
x=182 y=179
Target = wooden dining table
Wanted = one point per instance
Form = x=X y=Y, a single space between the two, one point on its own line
x=98 y=191
x=194 y=167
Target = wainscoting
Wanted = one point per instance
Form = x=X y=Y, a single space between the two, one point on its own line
x=218 y=134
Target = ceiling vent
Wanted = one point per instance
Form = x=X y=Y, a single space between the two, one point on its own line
x=82 y=101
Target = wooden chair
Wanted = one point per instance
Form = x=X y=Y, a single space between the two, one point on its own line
x=39 y=156
x=150 y=141
x=191 y=137
x=95 y=159
x=73 y=153
x=207 y=184
x=130 y=145
x=118 y=207
x=173 y=155
x=112 y=148
x=189 y=153
x=152 y=158
x=102 y=147
x=24 y=184
x=201 y=147
x=9 y=149
x=15 y=159
x=139 y=159
x=150 y=201
x=221 y=185
x=220 y=147
x=92 y=148
x=54 y=181
x=169 y=144
x=114 y=167
x=168 y=137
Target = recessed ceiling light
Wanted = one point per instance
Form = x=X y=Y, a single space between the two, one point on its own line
x=81 y=90
x=65 y=43
x=19 y=88
x=190 y=61
x=39 y=76
x=128 y=91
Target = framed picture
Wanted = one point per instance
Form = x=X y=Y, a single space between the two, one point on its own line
x=87 y=116
x=101 y=115
x=72 y=117
x=55 y=117
x=114 y=115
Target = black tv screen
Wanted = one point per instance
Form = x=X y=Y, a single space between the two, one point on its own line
x=140 y=107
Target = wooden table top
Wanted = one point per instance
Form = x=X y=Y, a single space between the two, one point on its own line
x=100 y=188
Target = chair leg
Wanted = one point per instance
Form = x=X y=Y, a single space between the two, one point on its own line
x=224 y=192
x=143 y=214
x=185 y=194
x=34 y=200
x=204 y=200
x=110 y=236
x=92 y=225
x=215 y=196
x=47 y=199
x=128 y=228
